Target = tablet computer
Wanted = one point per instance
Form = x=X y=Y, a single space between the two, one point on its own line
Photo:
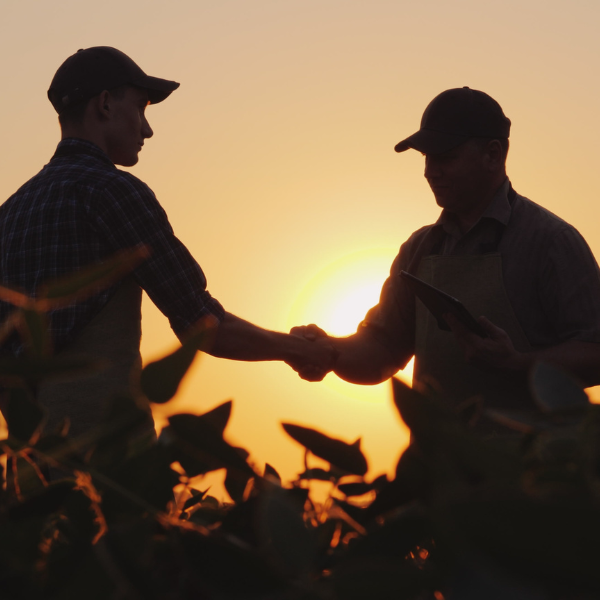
x=440 y=303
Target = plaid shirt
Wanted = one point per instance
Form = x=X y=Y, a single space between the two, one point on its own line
x=80 y=209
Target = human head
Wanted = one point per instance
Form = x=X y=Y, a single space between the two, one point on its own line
x=455 y=116
x=91 y=71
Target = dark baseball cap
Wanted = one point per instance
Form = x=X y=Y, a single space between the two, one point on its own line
x=93 y=70
x=453 y=117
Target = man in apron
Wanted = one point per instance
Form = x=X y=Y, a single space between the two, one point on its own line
x=527 y=275
x=79 y=210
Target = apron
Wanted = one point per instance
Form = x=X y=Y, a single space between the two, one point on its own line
x=477 y=281
x=113 y=337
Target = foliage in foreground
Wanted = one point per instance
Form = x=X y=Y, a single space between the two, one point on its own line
x=465 y=517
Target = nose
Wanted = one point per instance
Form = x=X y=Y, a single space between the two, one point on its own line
x=146 y=129
x=432 y=167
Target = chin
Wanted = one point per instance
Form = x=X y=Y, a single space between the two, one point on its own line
x=127 y=161
x=441 y=201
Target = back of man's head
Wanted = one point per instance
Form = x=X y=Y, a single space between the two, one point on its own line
x=89 y=72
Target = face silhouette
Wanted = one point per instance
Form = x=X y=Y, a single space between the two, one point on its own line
x=128 y=127
x=459 y=179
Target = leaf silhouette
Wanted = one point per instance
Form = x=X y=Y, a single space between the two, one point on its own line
x=283 y=535
x=160 y=379
x=199 y=445
x=271 y=472
x=347 y=457
x=23 y=416
x=318 y=474
x=355 y=489
x=88 y=281
x=219 y=417
x=554 y=390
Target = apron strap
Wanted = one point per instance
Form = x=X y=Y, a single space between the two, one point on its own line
x=433 y=242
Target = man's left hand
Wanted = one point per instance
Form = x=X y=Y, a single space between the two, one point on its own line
x=493 y=352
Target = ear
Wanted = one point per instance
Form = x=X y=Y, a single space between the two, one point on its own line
x=102 y=105
x=494 y=155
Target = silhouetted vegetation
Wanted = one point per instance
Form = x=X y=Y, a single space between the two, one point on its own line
x=465 y=517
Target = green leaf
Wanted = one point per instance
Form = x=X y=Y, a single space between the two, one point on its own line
x=396 y=538
x=420 y=413
x=518 y=421
x=199 y=446
x=379 y=482
x=48 y=500
x=355 y=489
x=114 y=439
x=218 y=418
x=143 y=481
x=23 y=416
x=553 y=540
x=356 y=513
x=448 y=446
x=347 y=457
x=381 y=579
x=318 y=474
x=57 y=448
x=216 y=560
x=81 y=575
x=283 y=535
x=270 y=472
x=160 y=379
x=196 y=498
x=554 y=390
x=236 y=481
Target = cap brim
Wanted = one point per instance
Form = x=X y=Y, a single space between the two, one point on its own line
x=428 y=141
x=158 y=89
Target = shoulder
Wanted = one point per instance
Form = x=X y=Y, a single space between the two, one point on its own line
x=411 y=248
x=529 y=215
x=126 y=182
x=125 y=192
x=416 y=239
x=539 y=232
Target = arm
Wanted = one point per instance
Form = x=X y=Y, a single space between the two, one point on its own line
x=361 y=358
x=580 y=359
x=237 y=339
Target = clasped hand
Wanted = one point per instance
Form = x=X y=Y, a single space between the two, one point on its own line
x=321 y=355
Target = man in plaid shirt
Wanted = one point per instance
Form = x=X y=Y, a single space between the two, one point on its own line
x=80 y=209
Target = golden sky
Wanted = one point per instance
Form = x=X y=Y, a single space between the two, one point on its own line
x=275 y=161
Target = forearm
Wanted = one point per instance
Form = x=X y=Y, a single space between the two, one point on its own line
x=364 y=360
x=580 y=359
x=237 y=339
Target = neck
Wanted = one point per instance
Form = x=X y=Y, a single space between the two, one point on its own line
x=84 y=133
x=466 y=218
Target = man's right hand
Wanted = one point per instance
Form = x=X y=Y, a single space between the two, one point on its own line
x=310 y=332
x=315 y=368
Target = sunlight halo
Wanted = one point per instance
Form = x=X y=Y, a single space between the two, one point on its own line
x=337 y=299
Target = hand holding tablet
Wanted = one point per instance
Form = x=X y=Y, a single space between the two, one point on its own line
x=439 y=303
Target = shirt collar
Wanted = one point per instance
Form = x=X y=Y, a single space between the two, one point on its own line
x=77 y=146
x=499 y=209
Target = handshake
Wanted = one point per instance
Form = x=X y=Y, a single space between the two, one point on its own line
x=315 y=358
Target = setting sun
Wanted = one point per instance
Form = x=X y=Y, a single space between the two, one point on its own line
x=337 y=299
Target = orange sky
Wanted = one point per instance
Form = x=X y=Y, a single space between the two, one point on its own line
x=275 y=161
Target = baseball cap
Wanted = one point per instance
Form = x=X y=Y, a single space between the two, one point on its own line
x=92 y=70
x=453 y=117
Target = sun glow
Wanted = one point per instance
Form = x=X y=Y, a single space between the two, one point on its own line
x=337 y=299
